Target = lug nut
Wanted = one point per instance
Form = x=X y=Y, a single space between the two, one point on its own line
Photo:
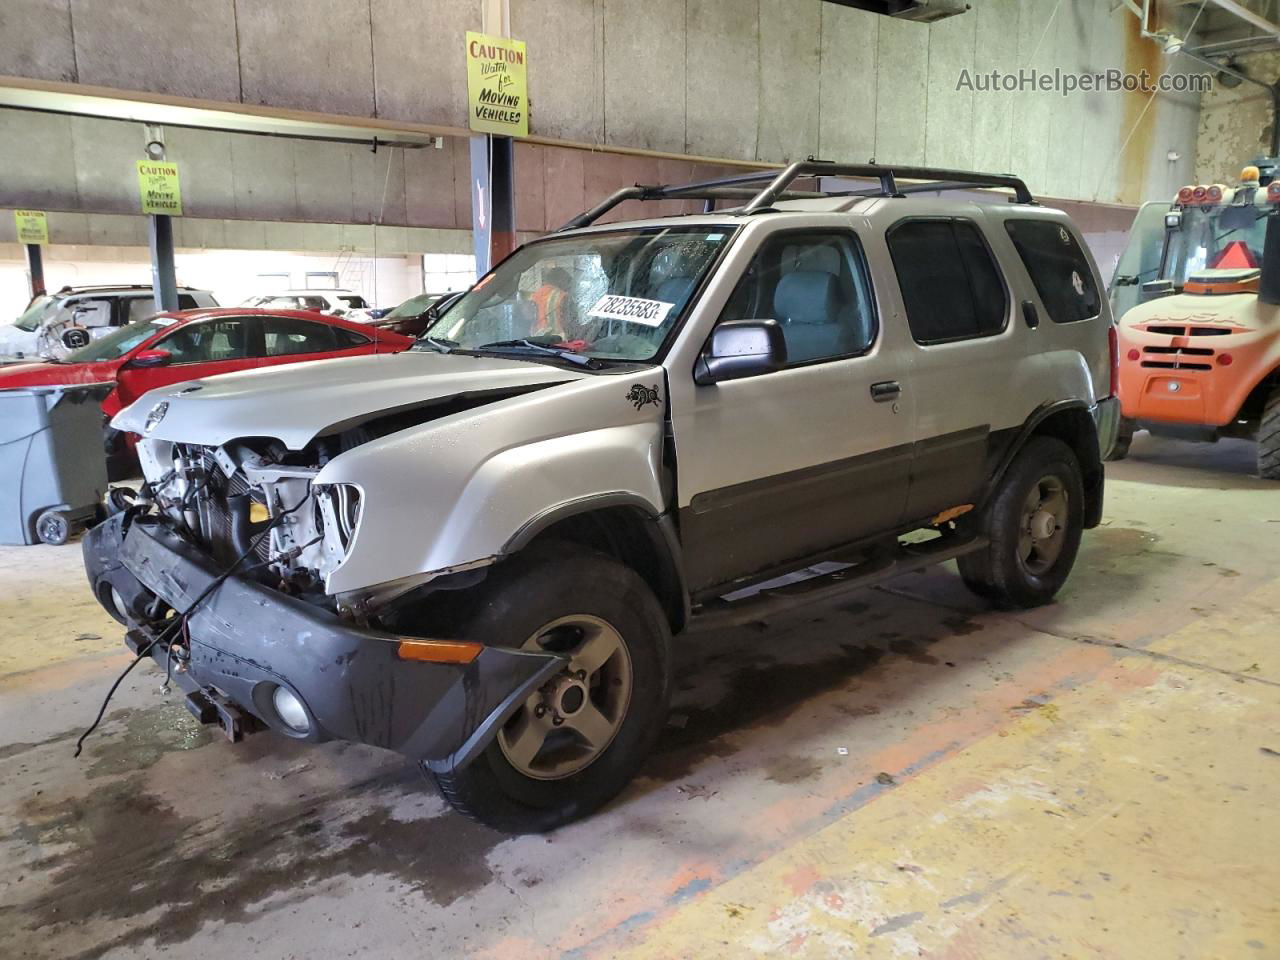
x=557 y=720
x=582 y=674
x=539 y=711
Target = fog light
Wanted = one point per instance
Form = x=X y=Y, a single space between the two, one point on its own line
x=117 y=601
x=290 y=710
x=1224 y=359
x=1133 y=354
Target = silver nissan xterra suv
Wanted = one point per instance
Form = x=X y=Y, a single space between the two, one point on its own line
x=477 y=553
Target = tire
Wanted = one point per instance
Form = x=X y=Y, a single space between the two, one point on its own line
x=581 y=596
x=53 y=527
x=1269 y=438
x=1026 y=562
x=1124 y=438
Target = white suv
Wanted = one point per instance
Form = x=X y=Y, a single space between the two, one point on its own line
x=56 y=323
x=336 y=303
x=477 y=552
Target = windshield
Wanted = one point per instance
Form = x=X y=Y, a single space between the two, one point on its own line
x=1215 y=238
x=611 y=295
x=36 y=314
x=413 y=306
x=118 y=342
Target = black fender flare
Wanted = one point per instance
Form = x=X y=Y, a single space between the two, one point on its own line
x=661 y=531
x=1086 y=449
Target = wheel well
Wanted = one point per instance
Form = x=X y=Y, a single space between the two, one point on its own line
x=1251 y=409
x=1074 y=426
x=634 y=539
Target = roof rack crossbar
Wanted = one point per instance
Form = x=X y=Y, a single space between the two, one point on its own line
x=778 y=186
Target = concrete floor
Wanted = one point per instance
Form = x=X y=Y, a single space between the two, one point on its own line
x=907 y=774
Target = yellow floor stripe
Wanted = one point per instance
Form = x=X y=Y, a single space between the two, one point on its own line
x=1116 y=821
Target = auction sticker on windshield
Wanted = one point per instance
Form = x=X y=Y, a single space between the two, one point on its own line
x=636 y=309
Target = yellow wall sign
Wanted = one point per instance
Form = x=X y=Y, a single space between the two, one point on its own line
x=33 y=226
x=497 y=92
x=158 y=187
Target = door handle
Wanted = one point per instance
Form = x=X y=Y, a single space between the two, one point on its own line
x=1030 y=314
x=885 y=391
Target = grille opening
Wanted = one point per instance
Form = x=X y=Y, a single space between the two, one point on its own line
x=1184 y=351
x=1167 y=331
x=1176 y=365
x=1208 y=331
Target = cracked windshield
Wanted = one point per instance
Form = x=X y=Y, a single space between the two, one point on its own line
x=612 y=295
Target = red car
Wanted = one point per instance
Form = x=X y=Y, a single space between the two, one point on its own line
x=190 y=344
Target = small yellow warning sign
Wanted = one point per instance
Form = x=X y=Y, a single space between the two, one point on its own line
x=158 y=187
x=33 y=226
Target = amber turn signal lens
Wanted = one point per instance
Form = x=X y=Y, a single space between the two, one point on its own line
x=439 y=651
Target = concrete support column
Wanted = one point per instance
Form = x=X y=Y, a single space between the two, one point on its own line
x=35 y=268
x=493 y=200
x=163 y=278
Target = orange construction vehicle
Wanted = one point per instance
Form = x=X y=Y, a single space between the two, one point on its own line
x=1200 y=352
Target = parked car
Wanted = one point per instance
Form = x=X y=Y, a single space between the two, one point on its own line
x=55 y=324
x=336 y=303
x=174 y=347
x=624 y=432
x=416 y=314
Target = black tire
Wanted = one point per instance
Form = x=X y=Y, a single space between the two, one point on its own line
x=520 y=597
x=999 y=572
x=1269 y=438
x=53 y=527
x=1124 y=438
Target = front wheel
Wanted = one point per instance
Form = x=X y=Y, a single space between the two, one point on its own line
x=1269 y=438
x=1033 y=523
x=53 y=527
x=578 y=740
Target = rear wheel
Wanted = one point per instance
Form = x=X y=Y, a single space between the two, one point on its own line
x=1269 y=438
x=53 y=527
x=579 y=739
x=1033 y=523
x=1124 y=437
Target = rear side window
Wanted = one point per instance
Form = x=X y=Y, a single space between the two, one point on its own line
x=950 y=283
x=348 y=338
x=1058 y=268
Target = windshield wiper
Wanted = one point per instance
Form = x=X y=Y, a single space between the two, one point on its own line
x=525 y=344
x=438 y=344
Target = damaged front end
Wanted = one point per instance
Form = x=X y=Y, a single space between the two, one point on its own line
x=246 y=524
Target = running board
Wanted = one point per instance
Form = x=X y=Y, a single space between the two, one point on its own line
x=719 y=613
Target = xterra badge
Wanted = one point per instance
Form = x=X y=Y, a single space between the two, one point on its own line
x=641 y=395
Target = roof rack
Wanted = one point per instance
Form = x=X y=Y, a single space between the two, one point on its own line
x=777 y=186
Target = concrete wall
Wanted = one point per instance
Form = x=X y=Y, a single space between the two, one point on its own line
x=1235 y=123
x=81 y=164
x=765 y=80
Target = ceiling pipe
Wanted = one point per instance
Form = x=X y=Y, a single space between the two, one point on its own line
x=1248 y=16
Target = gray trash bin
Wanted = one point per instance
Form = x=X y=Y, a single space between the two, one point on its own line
x=53 y=468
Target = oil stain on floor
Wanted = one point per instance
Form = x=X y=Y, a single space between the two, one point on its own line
x=120 y=853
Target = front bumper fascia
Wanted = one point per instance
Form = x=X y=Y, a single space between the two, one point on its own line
x=246 y=639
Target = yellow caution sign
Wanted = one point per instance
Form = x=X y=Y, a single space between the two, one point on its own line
x=33 y=226
x=158 y=187
x=497 y=88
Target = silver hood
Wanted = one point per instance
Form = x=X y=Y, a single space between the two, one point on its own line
x=297 y=402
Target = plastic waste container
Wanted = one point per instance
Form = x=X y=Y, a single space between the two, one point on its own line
x=53 y=468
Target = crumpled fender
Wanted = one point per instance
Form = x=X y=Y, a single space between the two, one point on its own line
x=456 y=491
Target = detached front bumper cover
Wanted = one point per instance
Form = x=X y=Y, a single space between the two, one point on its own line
x=246 y=639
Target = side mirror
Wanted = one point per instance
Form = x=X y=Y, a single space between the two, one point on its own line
x=1269 y=279
x=151 y=358
x=741 y=348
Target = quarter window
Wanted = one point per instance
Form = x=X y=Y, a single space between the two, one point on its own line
x=289 y=335
x=1058 y=268
x=950 y=284
x=815 y=285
